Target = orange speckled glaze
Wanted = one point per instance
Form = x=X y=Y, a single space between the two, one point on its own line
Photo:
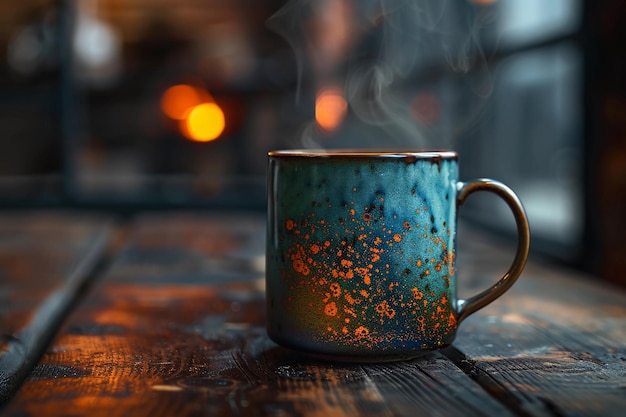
x=360 y=253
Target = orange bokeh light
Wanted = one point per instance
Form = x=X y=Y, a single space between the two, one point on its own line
x=204 y=123
x=330 y=108
x=200 y=118
x=178 y=100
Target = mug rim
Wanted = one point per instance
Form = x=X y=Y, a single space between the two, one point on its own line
x=365 y=153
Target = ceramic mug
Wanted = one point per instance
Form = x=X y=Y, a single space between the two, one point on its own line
x=361 y=251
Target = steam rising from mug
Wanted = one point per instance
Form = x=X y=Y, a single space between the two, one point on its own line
x=387 y=56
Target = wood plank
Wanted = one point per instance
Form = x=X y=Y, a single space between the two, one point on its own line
x=45 y=261
x=176 y=327
x=554 y=345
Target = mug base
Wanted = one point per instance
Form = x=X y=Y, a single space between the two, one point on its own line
x=363 y=358
x=400 y=357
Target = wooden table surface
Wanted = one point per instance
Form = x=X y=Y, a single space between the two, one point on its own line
x=163 y=315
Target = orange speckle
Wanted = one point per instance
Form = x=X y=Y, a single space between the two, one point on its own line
x=350 y=299
x=335 y=289
x=367 y=280
x=364 y=293
x=377 y=241
x=330 y=309
x=446 y=281
x=367 y=217
x=290 y=224
x=346 y=263
x=344 y=330
x=417 y=294
x=352 y=212
x=397 y=237
x=451 y=320
x=298 y=265
x=407 y=225
x=349 y=274
x=350 y=312
x=361 y=331
x=438 y=267
x=419 y=262
x=327 y=243
x=315 y=248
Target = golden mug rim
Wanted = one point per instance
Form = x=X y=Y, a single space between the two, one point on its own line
x=364 y=153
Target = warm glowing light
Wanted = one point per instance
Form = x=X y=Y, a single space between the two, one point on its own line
x=483 y=2
x=201 y=119
x=330 y=109
x=204 y=123
x=178 y=100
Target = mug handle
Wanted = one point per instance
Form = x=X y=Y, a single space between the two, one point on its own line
x=464 y=189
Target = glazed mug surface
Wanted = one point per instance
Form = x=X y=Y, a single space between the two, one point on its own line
x=361 y=248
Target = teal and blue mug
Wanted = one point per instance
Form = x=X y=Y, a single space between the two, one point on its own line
x=361 y=249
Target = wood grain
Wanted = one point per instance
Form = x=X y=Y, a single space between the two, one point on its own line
x=45 y=262
x=556 y=344
x=176 y=327
x=186 y=338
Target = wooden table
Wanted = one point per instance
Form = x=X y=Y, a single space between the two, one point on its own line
x=163 y=315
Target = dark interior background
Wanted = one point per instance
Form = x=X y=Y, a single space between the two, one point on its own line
x=529 y=92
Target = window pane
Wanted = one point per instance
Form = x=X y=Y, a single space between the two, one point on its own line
x=30 y=155
x=166 y=92
x=523 y=21
x=531 y=138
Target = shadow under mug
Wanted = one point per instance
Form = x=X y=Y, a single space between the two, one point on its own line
x=361 y=249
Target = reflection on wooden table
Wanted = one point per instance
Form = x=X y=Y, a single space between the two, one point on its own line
x=164 y=315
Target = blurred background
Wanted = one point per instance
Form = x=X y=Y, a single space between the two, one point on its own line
x=129 y=105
